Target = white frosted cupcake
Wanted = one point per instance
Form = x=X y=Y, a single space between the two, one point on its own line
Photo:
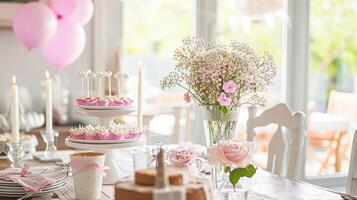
x=103 y=134
x=90 y=132
x=76 y=132
x=116 y=132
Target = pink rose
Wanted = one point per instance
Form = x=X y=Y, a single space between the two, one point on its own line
x=187 y=97
x=230 y=87
x=223 y=100
x=237 y=153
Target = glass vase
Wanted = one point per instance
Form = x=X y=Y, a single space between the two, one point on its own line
x=218 y=126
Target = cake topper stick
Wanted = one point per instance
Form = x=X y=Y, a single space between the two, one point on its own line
x=161 y=179
x=88 y=74
x=101 y=87
x=108 y=74
x=91 y=76
x=82 y=74
x=117 y=76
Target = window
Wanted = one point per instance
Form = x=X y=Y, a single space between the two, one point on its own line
x=259 y=23
x=332 y=101
x=152 y=30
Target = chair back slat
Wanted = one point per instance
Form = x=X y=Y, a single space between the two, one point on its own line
x=284 y=155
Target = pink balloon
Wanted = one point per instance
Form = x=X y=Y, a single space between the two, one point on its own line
x=83 y=13
x=34 y=24
x=63 y=8
x=67 y=44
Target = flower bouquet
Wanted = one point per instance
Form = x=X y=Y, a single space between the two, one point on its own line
x=220 y=78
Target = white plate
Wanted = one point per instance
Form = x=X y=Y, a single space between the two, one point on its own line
x=19 y=187
x=8 y=190
x=106 y=107
x=104 y=141
x=20 y=194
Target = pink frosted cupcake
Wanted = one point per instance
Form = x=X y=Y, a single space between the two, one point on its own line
x=83 y=101
x=103 y=134
x=76 y=133
x=103 y=102
x=118 y=102
x=116 y=136
x=127 y=101
x=92 y=102
x=90 y=133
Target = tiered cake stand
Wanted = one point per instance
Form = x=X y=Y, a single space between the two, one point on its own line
x=106 y=116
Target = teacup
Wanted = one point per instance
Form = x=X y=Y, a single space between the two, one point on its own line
x=88 y=171
x=186 y=159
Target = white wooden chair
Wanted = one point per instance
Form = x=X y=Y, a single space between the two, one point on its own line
x=285 y=149
x=352 y=173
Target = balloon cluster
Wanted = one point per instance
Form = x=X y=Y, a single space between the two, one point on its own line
x=55 y=29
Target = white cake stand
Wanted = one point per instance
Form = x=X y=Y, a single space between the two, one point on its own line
x=105 y=116
x=113 y=174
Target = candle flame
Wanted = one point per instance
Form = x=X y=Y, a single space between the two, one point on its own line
x=13 y=79
x=47 y=74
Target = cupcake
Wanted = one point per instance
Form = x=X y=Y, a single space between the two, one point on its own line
x=117 y=102
x=103 y=134
x=133 y=133
x=127 y=101
x=83 y=101
x=103 y=102
x=90 y=133
x=92 y=102
x=115 y=132
x=76 y=133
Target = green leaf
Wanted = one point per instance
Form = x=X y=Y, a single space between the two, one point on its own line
x=227 y=169
x=250 y=170
x=234 y=177
x=237 y=173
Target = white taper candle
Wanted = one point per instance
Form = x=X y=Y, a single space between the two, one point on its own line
x=48 y=86
x=14 y=112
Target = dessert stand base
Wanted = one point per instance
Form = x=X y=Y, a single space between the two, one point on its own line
x=113 y=173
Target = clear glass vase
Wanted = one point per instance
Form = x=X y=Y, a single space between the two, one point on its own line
x=218 y=126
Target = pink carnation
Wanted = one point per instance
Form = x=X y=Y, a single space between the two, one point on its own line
x=230 y=87
x=224 y=100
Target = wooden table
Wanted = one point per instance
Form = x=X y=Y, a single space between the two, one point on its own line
x=263 y=186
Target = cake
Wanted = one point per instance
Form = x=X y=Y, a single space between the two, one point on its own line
x=162 y=184
x=147 y=177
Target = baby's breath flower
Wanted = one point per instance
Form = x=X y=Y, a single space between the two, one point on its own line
x=203 y=68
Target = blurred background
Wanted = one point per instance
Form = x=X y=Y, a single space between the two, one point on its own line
x=122 y=33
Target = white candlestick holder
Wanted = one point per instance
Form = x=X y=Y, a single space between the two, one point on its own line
x=15 y=154
x=49 y=155
x=49 y=139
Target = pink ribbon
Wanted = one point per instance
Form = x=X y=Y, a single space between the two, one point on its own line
x=79 y=166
